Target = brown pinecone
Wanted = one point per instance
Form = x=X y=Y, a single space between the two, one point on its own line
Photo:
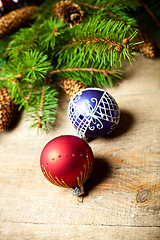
x=69 y=12
x=71 y=86
x=16 y=19
x=7 y=109
x=147 y=48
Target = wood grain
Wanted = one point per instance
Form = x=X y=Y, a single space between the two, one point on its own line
x=122 y=199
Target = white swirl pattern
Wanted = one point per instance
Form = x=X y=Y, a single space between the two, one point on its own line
x=91 y=116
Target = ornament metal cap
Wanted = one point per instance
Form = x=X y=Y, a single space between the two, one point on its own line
x=78 y=191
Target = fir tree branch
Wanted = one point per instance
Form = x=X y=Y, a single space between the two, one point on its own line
x=27 y=43
x=111 y=43
x=93 y=57
x=49 y=31
x=26 y=99
x=12 y=78
x=40 y=112
x=88 y=5
x=16 y=92
x=42 y=106
x=23 y=40
x=98 y=41
x=105 y=72
x=150 y=13
x=18 y=87
x=125 y=2
x=99 y=8
x=36 y=66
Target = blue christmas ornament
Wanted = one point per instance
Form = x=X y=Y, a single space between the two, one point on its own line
x=93 y=112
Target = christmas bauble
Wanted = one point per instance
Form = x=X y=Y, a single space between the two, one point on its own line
x=67 y=161
x=8 y=5
x=93 y=112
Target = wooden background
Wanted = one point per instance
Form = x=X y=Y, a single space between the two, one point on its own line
x=122 y=198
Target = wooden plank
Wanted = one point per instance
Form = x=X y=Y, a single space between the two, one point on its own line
x=123 y=194
x=30 y=231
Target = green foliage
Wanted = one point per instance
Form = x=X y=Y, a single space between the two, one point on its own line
x=98 y=41
x=36 y=66
x=23 y=40
x=46 y=115
x=91 y=52
x=16 y=92
x=44 y=12
x=111 y=9
x=41 y=37
x=91 y=73
x=3 y=45
x=48 y=33
x=11 y=69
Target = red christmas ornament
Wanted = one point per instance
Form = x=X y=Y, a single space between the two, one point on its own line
x=9 y=5
x=67 y=161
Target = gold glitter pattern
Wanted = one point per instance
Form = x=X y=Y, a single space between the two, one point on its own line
x=87 y=172
x=55 y=181
x=81 y=179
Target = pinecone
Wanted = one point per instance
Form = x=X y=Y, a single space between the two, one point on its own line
x=69 y=12
x=7 y=109
x=16 y=19
x=147 y=48
x=71 y=86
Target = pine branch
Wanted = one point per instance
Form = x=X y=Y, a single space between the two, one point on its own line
x=111 y=43
x=124 y=3
x=43 y=105
x=44 y=12
x=112 y=9
x=150 y=13
x=12 y=78
x=16 y=92
x=90 y=52
x=36 y=66
x=27 y=98
x=99 y=8
x=40 y=37
x=105 y=72
x=105 y=4
x=90 y=76
x=48 y=32
x=27 y=43
x=3 y=46
x=40 y=113
x=22 y=40
x=99 y=41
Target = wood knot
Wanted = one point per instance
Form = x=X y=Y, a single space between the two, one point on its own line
x=144 y=195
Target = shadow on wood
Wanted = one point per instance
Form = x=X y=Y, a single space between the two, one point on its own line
x=125 y=124
x=101 y=171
